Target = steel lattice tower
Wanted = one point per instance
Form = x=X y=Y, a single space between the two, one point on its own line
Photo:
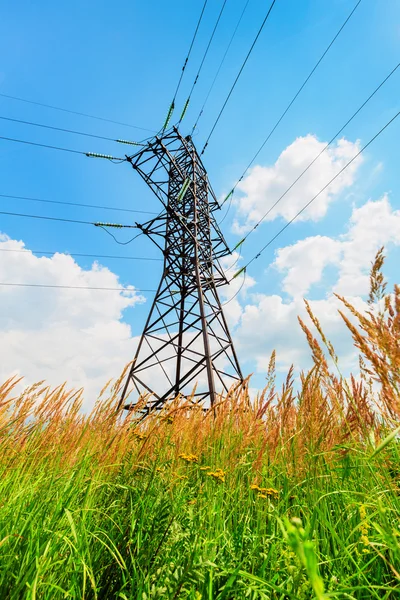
x=186 y=340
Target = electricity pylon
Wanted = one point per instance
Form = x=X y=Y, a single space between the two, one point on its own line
x=186 y=340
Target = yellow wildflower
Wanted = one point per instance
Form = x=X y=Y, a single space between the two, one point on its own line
x=189 y=458
x=218 y=475
x=194 y=501
x=265 y=491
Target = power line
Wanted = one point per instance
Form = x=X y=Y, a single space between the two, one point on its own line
x=111 y=158
x=316 y=158
x=172 y=105
x=239 y=74
x=41 y=145
x=74 y=287
x=319 y=193
x=92 y=135
x=298 y=93
x=62 y=220
x=73 y=112
x=79 y=254
x=78 y=204
x=202 y=61
x=189 y=52
x=220 y=66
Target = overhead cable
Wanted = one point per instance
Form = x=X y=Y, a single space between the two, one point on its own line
x=189 y=52
x=319 y=193
x=316 y=157
x=78 y=254
x=297 y=93
x=74 y=287
x=73 y=112
x=202 y=62
x=89 y=154
x=239 y=74
x=130 y=210
x=63 y=220
x=220 y=66
x=172 y=105
x=92 y=135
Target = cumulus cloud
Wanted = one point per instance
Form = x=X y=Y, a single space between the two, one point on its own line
x=371 y=226
x=61 y=335
x=264 y=185
x=269 y=322
x=305 y=261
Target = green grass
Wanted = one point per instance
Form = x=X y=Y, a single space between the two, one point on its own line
x=153 y=525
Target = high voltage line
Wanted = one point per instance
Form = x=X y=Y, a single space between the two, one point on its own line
x=220 y=66
x=74 y=287
x=172 y=105
x=73 y=112
x=62 y=149
x=318 y=155
x=202 y=61
x=316 y=195
x=189 y=52
x=63 y=220
x=79 y=254
x=295 y=96
x=105 y=289
x=89 y=154
x=92 y=135
x=130 y=210
x=239 y=74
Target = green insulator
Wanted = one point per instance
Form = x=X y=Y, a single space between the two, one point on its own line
x=185 y=109
x=183 y=190
x=127 y=142
x=169 y=115
x=239 y=244
x=228 y=196
x=239 y=272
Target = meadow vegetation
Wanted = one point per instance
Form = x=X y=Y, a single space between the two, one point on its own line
x=295 y=495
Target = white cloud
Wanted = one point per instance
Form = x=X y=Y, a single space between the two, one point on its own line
x=61 y=335
x=270 y=323
x=371 y=226
x=305 y=261
x=263 y=186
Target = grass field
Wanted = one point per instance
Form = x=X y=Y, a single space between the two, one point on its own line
x=296 y=495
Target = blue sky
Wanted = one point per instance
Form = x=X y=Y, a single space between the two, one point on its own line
x=123 y=62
